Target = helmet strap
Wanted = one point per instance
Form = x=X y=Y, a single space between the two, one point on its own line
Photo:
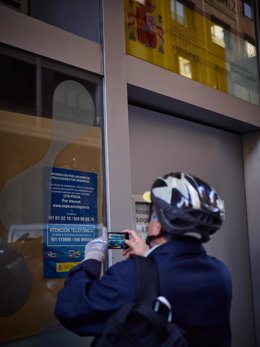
x=149 y=239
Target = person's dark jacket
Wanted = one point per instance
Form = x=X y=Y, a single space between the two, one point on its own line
x=197 y=285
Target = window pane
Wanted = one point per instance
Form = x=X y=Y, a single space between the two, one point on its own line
x=185 y=67
x=250 y=49
x=79 y=17
x=248 y=11
x=51 y=184
x=210 y=35
x=217 y=34
x=18 y=82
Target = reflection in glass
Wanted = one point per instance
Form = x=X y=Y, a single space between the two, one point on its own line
x=50 y=117
x=79 y=17
x=215 y=37
x=250 y=49
x=247 y=9
x=185 y=67
x=178 y=13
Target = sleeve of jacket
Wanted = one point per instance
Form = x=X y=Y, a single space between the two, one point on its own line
x=86 y=302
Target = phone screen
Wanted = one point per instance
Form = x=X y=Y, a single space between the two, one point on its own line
x=117 y=240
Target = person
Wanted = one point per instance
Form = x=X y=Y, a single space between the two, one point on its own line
x=185 y=213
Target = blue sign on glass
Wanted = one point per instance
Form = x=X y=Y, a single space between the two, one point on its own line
x=71 y=218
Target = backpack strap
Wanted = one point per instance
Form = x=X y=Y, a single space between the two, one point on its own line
x=147 y=281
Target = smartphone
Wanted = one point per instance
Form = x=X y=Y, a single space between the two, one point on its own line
x=116 y=240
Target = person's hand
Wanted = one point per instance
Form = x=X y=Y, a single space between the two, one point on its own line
x=97 y=248
x=136 y=244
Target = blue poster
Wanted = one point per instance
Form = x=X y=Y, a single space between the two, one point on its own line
x=71 y=214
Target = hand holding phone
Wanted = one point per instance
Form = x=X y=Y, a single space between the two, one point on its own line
x=136 y=244
x=116 y=240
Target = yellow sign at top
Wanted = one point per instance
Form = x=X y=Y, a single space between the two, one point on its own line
x=175 y=37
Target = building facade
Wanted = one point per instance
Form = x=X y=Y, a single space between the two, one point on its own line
x=93 y=107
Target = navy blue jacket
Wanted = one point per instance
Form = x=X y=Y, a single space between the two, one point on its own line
x=198 y=287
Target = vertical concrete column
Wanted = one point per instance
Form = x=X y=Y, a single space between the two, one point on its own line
x=251 y=151
x=116 y=133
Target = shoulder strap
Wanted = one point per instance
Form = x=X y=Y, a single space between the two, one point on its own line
x=147 y=281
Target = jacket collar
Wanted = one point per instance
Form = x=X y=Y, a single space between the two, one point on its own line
x=185 y=245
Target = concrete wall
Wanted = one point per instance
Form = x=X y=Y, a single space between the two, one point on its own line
x=160 y=144
x=251 y=150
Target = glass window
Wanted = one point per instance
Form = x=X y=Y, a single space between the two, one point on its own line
x=185 y=67
x=203 y=40
x=248 y=9
x=18 y=91
x=79 y=17
x=250 y=49
x=217 y=34
x=180 y=12
x=51 y=184
x=221 y=33
x=177 y=10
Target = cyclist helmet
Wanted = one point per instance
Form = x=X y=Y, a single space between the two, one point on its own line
x=186 y=205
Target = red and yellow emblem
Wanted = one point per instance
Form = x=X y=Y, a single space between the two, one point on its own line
x=142 y=16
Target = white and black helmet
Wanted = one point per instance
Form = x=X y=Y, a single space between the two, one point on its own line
x=186 y=205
